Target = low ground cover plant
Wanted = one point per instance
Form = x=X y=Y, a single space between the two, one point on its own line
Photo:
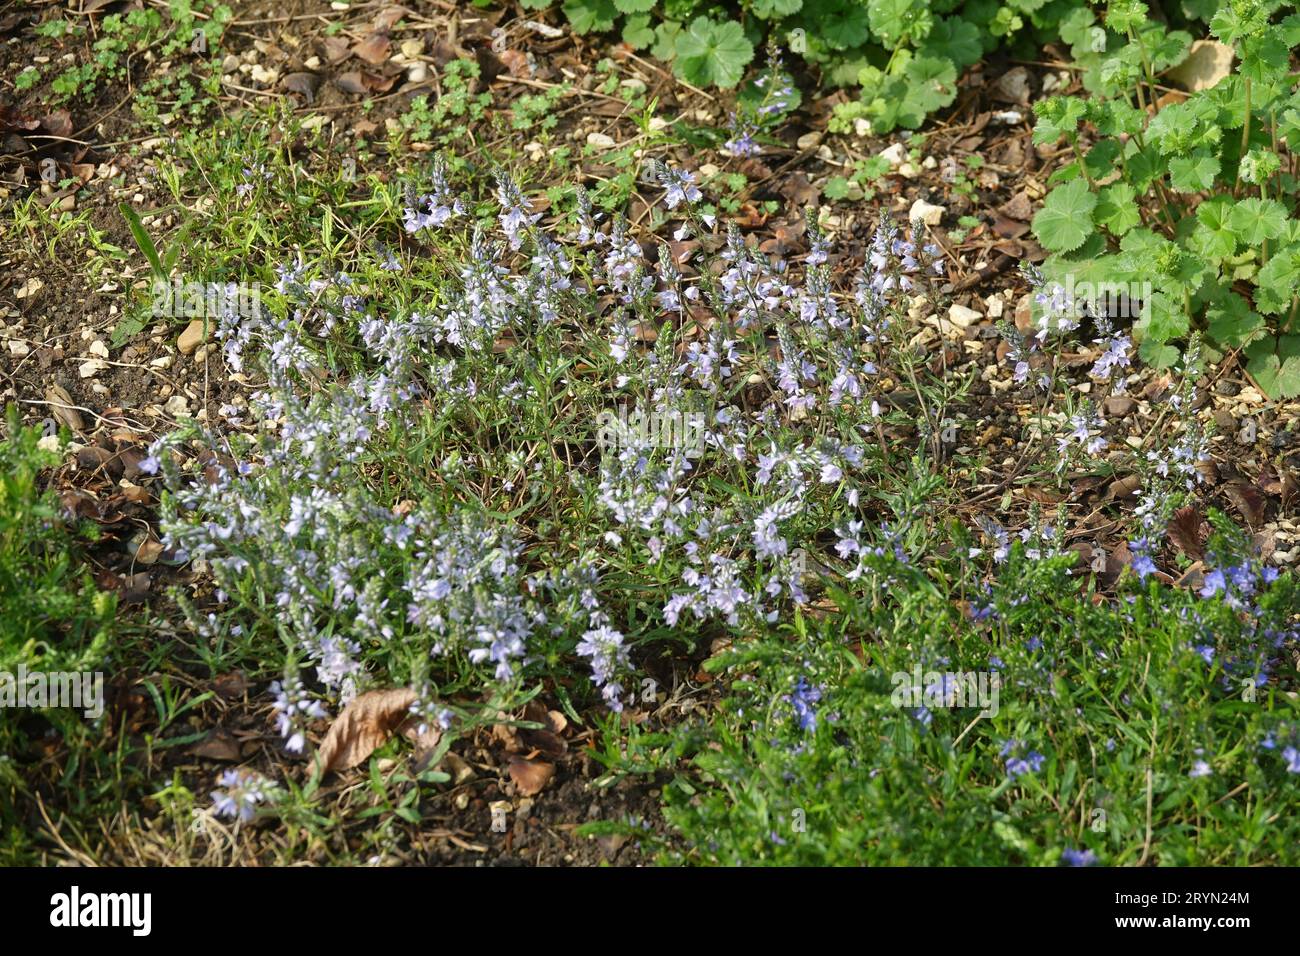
x=524 y=458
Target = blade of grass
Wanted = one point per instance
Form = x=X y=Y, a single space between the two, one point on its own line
x=142 y=240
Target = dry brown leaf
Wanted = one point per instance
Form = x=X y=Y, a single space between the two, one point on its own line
x=1269 y=481
x=350 y=82
x=304 y=84
x=516 y=63
x=62 y=408
x=1018 y=206
x=1248 y=500
x=546 y=738
x=1009 y=228
x=1188 y=532
x=387 y=18
x=506 y=735
x=363 y=726
x=530 y=776
x=218 y=745
x=1265 y=543
x=230 y=686
x=336 y=49
x=149 y=550
x=373 y=49
x=59 y=123
x=1193 y=578
x=1125 y=487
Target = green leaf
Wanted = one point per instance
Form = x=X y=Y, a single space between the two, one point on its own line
x=837 y=187
x=1166 y=49
x=1116 y=209
x=1125 y=15
x=1254 y=220
x=126 y=329
x=954 y=39
x=845 y=24
x=1076 y=27
x=772 y=9
x=894 y=20
x=1103 y=159
x=1165 y=319
x=587 y=16
x=1264 y=58
x=1212 y=237
x=1194 y=173
x=1232 y=322
x=634 y=6
x=1144 y=167
x=1116 y=117
x=1258 y=165
x=1276 y=371
x=1235 y=22
x=637 y=32
x=712 y=54
x=142 y=240
x=1058 y=116
x=1158 y=355
x=666 y=34
x=1277 y=282
x=885 y=98
x=1065 y=220
x=931 y=83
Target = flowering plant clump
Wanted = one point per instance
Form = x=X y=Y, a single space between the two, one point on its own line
x=364 y=588
x=528 y=453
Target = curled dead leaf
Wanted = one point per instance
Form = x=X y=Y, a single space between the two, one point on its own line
x=1188 y=532
x=148 y=549
x=374 y=49
x=387 y=18
x=362 y=727
x=304 y=84
x=530 y=776
x=546 y=738
x=58 y=123
x=1248 y=500
x=506 y=735
x=1124 y=487
x=218 y=745
x=336 y=49
x=62 y=407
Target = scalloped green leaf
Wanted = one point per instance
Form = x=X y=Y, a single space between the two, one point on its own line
x=1195 y=173
x=1254 y=220
x=1065 y=220
x=1277 y=282
x=1233 y=323
x=1117 y=209
x=712 y=53
x=1276 y=367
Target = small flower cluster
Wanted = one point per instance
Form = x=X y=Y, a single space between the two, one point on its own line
x=293 y=706
x=1284 y=740
x=1020 y=759
x=803 y=700
x=434 y=209
x=244 y=791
